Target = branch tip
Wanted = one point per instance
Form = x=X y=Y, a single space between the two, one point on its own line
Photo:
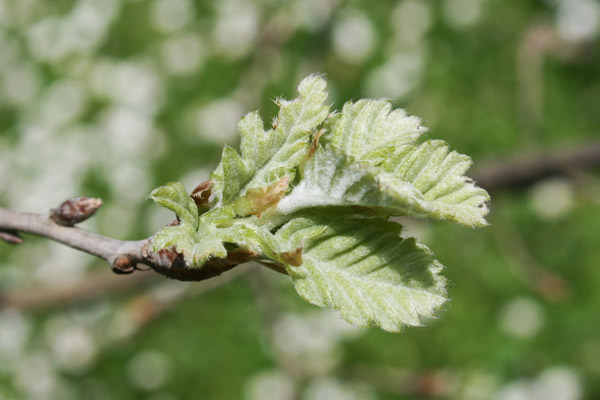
x=201 y=194
x=75 y=210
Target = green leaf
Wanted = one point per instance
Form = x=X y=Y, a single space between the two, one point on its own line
x=437 y=174
x=207 y=241
x=235 y=172
x=274 y=154
x=371 y=159
x=175 y=197
x=364 y=269
x=369 y=130
x=181 y=236
x=329 y=178
x=328 y=227
x=430 y=186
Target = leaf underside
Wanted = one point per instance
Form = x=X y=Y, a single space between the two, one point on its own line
x=364 y=269
x=313 y=195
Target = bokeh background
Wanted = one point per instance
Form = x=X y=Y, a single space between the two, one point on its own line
x=111 y=98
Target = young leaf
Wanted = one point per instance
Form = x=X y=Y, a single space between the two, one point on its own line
x=328 y=227
x=369 y=130
x=217 y=229
x=436 y=173
x=174 y=197
x=364 y=269
x=330 y=178
x=430 y=174
x=427 y=183
x=370 y=159
x=274 y=154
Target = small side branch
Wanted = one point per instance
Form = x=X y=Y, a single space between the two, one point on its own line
x=124 y=256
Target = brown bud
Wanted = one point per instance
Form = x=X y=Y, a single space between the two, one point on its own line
x=123 y=265
x=201 y=194
x=257 y=200
x=293 y=258
x=75 y=210
x=240 y=256
x=169 y=258
x=146 y=249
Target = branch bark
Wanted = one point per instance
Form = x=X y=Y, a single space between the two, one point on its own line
x=124 y=256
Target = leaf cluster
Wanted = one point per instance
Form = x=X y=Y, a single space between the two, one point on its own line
x=314 y=195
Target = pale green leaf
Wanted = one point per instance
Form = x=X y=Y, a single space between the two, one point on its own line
x=364 y=269
x=328 y=226
x=235 y=173
x=329 y=178
x=217 y=229
x=206 y=241
x=175 y=197
x=267 y=156
x=369 y=130
x=437 y=174
x=257 y=146
x=422 y=180
x=436 y=189
x=180 y=236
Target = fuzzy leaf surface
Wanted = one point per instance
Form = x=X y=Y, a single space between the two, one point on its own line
x=427 y=183
x=267 y=156
x=175 y=197
x=369 y=130
x=327 y=225
x=218 y=229
x=422 y=180
x=364 y=269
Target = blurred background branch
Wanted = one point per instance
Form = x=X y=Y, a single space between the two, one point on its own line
x=524 y=170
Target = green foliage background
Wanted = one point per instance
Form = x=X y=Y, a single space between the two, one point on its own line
x=126 y=117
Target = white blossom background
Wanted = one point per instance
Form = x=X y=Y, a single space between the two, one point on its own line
x=111 y=98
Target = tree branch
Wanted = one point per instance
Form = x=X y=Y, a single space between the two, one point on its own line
x=523 y=171
x=40 y=224
x=95 y=285
x=124 y=256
